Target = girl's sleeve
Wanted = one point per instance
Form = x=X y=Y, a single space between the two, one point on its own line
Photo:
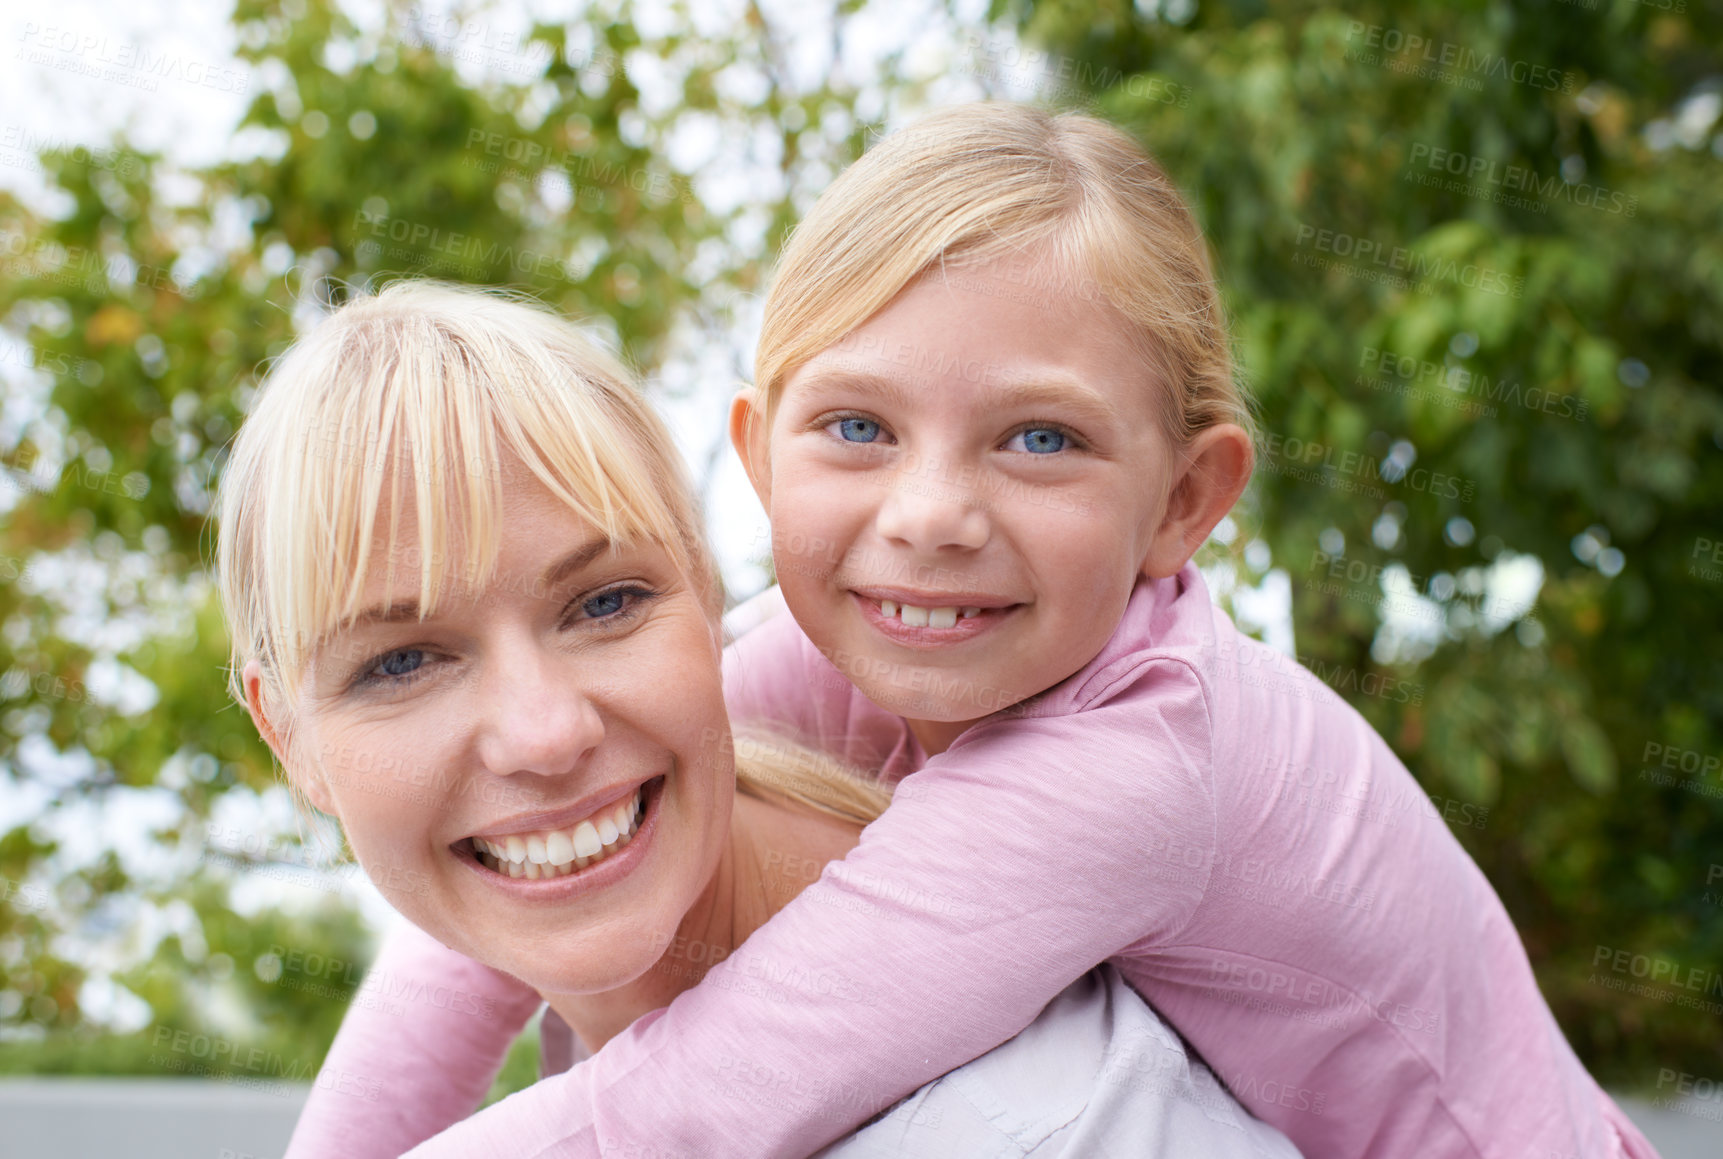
x=776 y=680
x=424 y=1037
x=1033 y=850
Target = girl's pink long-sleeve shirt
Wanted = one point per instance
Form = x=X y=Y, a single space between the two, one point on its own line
x=1191 y=805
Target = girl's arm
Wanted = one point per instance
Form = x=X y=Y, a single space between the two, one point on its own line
x=775 y=678
x=420 y=1045
x=1005 y=869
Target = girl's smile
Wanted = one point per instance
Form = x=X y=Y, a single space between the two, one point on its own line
x=914 y=620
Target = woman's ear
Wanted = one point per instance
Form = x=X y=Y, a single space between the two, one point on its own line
x=748 y=434
x=307 y=781
x=1216 y=467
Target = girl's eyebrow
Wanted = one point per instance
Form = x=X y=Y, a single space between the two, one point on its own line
x=841 y=376
x=1062 y=395
x=1054 y=392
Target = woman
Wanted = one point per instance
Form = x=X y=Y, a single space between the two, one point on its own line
x=474 y=618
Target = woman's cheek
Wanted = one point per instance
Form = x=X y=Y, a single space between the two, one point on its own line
x=386 y=825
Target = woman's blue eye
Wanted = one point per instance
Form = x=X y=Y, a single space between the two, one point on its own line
x=402 y=663
x=614 y=608
x=1040 y=440
x=605 y=604
x=858 y=430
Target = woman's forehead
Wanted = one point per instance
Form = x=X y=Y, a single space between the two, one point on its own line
x=455 y=557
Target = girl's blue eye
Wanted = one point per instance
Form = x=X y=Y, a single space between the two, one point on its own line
x=1039 y=440
x=858 y=430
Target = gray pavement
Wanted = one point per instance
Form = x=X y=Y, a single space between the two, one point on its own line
x=198 y=1119
x=1689 y=1129
x=146 y=1118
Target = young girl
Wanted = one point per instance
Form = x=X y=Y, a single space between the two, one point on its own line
x=994 y=418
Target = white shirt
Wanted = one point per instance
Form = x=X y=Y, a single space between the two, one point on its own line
x=1097 y=1075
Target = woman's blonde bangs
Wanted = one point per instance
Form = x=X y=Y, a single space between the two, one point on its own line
x=416 y=399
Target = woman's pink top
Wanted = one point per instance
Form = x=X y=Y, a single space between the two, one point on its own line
x=1192 y=806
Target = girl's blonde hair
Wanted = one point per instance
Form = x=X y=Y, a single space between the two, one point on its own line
x=987 y=181
x=421 y=392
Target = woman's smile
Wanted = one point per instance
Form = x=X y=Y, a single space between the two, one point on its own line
x=557 y=844
x=552 y=864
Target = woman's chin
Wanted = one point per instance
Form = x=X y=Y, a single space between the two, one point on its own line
x=589 y=963
x=582 y=978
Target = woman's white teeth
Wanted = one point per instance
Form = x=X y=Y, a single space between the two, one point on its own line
x=586 y=842
x=559 y=848
x=916 y=617
x=559 y=852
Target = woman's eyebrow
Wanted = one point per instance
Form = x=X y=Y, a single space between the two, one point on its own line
x=575 y=561
x=391 y=613
x=407 y=608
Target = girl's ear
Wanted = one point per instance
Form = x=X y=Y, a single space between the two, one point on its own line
x=307 y=781
x=748 y=435
x=1216 y=466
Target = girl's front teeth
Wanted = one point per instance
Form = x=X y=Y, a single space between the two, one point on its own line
x=915 y=617
x=559 y=852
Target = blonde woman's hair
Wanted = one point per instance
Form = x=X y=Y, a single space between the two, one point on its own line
x=981 y=182
x=772 y=766
x=421 y=391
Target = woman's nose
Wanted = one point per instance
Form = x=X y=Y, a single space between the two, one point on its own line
x=538 y=718
x=927 y=512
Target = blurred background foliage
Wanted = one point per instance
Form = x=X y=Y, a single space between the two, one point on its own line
x=1490 y=480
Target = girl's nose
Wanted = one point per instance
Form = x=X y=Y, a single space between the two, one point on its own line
x=927 y=513
x=537 y=718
